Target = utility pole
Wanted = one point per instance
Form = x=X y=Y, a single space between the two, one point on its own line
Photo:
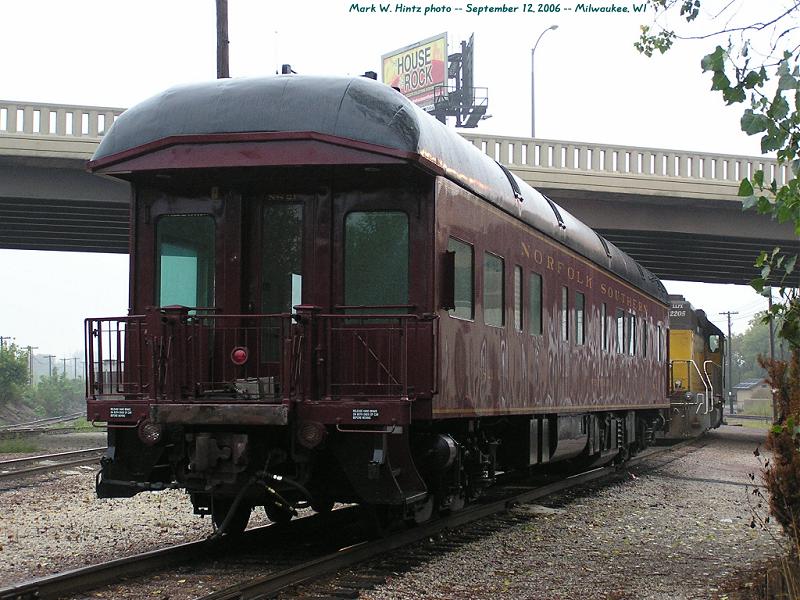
x=75 y=366
x=730 y=359
x=768 y=291
x=223 y=71
x=50 y=358
x=30 y=350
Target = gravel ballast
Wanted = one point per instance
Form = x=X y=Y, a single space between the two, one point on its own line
x=681 y=530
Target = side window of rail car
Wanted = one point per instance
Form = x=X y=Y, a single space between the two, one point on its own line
x=564 y=313
x=660 y=341
x=631 y=334
x=535 y=304
x=604 y=325
x=518 y=298
x=464 y=279
x=376 y=260
x=645 y=336
x=620 y=331
x=580 y=318
x=185 y=260
x=493 y=290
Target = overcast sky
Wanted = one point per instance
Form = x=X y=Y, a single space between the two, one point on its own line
x=591 y=86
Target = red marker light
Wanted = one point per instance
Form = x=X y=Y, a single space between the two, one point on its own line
x=239 y=355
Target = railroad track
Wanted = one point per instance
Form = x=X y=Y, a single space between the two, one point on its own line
x=51 y=425
x=308 y=548
x=20 y=467
x=42 y=422
x=749 y=418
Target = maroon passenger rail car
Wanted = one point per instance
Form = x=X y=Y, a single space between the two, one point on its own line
x=334 y=297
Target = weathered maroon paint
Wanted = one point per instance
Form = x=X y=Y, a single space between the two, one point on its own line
x=497 y=370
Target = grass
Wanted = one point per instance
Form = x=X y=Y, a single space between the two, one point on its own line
x=17 y=446
x=78 y=425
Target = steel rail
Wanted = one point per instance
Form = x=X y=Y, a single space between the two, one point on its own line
x=267 y=585
x=44 y=421
x=14 y=473
x=82 y=579
x=78 y=580
x=16 y=461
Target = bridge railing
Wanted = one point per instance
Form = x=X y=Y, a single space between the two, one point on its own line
x=623 y=160
x=91 y=122
x=59 y=120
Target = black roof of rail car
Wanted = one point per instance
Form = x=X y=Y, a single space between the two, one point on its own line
x=363 y=110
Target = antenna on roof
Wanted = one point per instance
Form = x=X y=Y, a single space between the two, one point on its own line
x=223 y=69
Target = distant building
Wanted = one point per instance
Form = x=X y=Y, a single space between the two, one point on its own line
x=753 y=396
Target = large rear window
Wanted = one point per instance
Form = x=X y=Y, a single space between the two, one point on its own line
x=185 y=257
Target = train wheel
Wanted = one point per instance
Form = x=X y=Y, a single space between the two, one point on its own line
x=322 y=505
x=278 y=514
x=424 y=510
x=238 y=521
x=384 y=519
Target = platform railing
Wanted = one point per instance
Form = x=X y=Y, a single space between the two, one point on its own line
x=178 y=354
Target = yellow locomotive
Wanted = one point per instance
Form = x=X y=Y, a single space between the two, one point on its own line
x=696 y=382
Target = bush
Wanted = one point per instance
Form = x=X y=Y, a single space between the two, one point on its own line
x=55 y=395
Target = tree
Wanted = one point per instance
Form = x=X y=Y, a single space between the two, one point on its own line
x=747 y=347
x=13 y=373
x=758 y=68
x=55 y=395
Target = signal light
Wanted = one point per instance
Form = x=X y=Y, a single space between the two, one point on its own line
x=149 y=432
x=310 y=434
x=239 y=355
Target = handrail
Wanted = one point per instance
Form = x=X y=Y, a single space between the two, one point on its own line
x=696 y=368
x=705 y=385
x=172 y=353
x=710 y=381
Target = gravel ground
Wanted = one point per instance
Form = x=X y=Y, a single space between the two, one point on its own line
x=54 y=522
x=680 y=531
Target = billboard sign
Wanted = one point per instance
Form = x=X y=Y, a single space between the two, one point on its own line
x=417 y=69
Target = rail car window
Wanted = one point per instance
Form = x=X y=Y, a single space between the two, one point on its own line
x=604 y=325
x=631 y=334
x=535 y=304
x=580 y=320
x=282 y=257
x=185 y=255
x=564 y=313
x=660 y=342
x=645 y=336
x=493 y=290
x=464 y=278
x=376 y=260
x=518 y=298
x=620 y=331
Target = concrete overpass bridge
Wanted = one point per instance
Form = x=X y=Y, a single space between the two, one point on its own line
x=676 y=212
